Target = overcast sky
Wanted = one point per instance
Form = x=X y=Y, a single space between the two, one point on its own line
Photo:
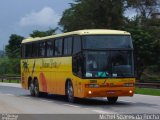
x=23 y=16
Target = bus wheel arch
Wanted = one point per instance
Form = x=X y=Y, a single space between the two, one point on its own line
x=29 y=81
x=112 y=99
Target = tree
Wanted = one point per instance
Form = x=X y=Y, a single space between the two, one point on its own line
x=13 y=48
x=143 y=46
x=144 y=8
x=37 y=33
x=86 y=14
x=154 y=29
x=9 y=66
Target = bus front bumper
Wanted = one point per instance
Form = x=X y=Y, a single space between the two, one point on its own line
x=109 y=92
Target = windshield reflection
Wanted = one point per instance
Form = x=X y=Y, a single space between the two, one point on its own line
x=108 y=64
x=106 y=41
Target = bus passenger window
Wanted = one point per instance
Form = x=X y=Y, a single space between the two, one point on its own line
x=50 y=48
x=22 y=51
x=42 y=49
x=58 y=47
x=28 y=50
x=68 y=46
x=35 y=51
x=76 y=44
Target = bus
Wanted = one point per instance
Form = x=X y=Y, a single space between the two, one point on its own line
x=80 y=64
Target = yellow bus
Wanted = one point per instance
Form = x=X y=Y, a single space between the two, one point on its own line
x=79 y=64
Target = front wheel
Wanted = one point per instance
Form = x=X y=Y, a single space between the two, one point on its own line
x=70 y=92
x=112 y=99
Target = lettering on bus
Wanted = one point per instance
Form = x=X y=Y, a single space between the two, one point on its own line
x=50 y=64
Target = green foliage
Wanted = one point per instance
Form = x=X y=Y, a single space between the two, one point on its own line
x=13 y=48
x=146 y=42
x=37 y=33
x=11 y=63
x=88 y=14
x=148 y=91
x=153 y=27
x=102 y=14
x=144 y=8
x=1 y=53
x=9 y=66
x=143 y=45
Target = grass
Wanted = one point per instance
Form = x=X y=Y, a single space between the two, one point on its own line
x=148 y=91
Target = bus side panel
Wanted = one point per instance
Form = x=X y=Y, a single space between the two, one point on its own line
x=26 y=71
x=63 y=72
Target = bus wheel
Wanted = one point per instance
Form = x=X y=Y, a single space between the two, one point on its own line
x=31 y=89
x=112 y=99
x=70 y=92
x=36 y=88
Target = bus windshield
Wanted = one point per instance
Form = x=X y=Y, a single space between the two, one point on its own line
x=106 y=41
x=102 y=64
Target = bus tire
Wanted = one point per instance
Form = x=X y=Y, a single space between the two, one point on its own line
x=112 y=99
x=31 y=88
x=70 y=92
x=36 y=90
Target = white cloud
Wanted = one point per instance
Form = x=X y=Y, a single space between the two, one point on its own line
x=45 y=17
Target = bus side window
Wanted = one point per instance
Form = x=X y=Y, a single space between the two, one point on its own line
x=76 y=44
x=50 y=48
x=42 y=49
x=68 y=46
x=35 y=49
x=28 y=50
x=78 y=65
x=58 y=47
x=23 y=51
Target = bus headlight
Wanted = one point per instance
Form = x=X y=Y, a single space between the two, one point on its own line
x=128 y=85
x=89 y=92
x=130 y=91
x=91 y=85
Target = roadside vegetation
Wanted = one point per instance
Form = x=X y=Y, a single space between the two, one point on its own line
x=104 y=14
x=10 y=81
x=148 y=91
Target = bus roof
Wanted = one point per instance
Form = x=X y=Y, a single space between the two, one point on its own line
x=80 y=32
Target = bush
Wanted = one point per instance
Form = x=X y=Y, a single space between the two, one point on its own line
x=9 y=66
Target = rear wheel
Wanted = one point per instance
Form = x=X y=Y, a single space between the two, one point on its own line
x=70 y=92
x=112 y=99
x=31 y=89
x=36 y=90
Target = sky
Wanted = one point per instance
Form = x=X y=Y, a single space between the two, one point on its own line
x=21 y=17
